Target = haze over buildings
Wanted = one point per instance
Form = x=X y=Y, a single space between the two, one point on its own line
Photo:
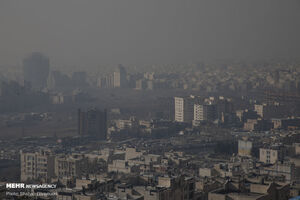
x=87 y=34
x=204 y=105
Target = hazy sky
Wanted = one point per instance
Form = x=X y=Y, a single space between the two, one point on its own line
x=92 y=32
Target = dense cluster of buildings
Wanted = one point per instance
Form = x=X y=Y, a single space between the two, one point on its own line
x=231 y=77
x=255 y=117
x=237 y=139
x=151 y=171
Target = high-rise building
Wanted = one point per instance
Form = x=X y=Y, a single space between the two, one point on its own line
x=205 y=112
x=67 y=166
x=93 y=123
x=268 y=111
x=140 y=84
x=224 y=106
x=36 y=70
x=120 y=77
x=184 y=109
x=271 y=155
x=106 y=82
x=36 y=165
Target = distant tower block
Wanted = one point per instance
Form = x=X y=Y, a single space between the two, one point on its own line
x=93 y=123
x=120 y=77
x=36 y=70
